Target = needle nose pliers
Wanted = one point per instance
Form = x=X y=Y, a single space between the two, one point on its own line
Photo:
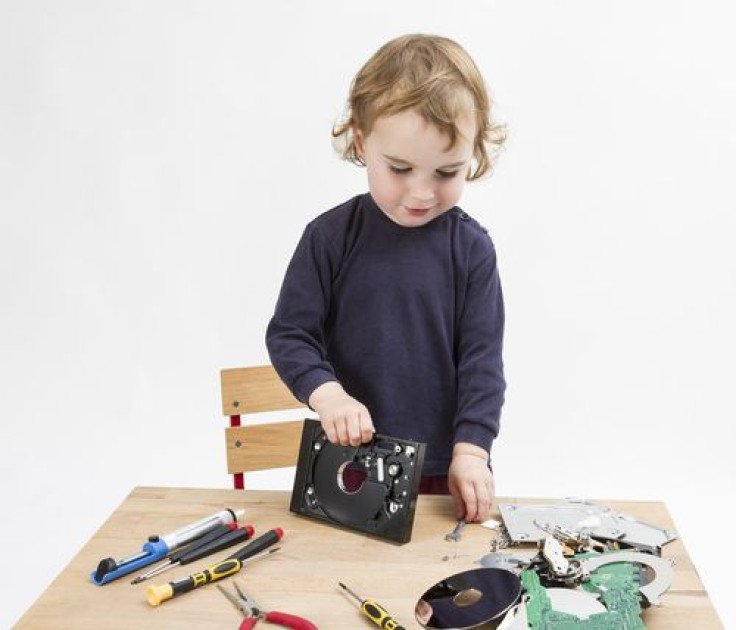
x=253 y=613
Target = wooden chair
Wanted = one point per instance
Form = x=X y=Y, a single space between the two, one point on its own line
x=253 y=390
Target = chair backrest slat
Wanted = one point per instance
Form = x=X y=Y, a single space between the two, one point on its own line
x=263 y=446
x=254 y=390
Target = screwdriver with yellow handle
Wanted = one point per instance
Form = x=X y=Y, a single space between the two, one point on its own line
x=258 y=548
x=374 y=611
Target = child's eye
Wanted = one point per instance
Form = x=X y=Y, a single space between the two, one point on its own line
x=447 y=174
x=400 y=170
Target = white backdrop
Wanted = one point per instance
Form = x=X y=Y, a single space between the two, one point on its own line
x=159 y=160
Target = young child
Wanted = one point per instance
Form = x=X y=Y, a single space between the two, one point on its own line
x=390 y=317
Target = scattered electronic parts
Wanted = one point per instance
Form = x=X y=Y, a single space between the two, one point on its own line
x=663 y=569
x=595 y=569
x=526 y=523
x=563 y=590
x=469 y=599
x=575 y=540
x=556 y=568
x=621 y=610
x=502 y=540
x=371 y=488
x=495 y=560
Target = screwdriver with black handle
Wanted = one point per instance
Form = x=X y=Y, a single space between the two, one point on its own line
x=156 y=594
x=211 y=543
x=374 y=611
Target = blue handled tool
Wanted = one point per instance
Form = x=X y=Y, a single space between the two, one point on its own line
x=158 y=547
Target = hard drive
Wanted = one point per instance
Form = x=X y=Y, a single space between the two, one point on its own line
x=371 y=488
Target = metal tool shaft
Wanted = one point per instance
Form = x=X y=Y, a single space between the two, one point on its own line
x=349 y=590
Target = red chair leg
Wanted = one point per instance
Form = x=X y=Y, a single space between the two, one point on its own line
x=237 y=477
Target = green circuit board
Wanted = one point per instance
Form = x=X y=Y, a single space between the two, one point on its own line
x=617 y=586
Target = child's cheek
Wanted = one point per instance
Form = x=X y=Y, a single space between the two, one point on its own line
x=453 y=191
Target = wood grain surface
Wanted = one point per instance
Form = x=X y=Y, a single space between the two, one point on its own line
x=254 y=390
x=301 y=578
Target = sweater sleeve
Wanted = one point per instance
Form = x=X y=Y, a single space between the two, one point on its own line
x=480 y=379
x=295 y=334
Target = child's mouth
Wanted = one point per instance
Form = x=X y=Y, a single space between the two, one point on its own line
x=417 y=212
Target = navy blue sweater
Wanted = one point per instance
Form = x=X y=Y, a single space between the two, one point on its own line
x=409 y=321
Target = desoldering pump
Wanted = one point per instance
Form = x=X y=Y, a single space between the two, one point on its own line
x=158 y=547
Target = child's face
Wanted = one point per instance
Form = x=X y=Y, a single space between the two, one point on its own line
x=412 y=175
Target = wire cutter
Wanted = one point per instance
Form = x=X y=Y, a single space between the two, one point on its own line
x=254 y=613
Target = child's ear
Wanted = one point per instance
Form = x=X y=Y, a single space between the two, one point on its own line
x=359 y=142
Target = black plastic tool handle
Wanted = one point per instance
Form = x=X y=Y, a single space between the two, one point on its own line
x=217 y=532
x=223 y=542
x=264 y=541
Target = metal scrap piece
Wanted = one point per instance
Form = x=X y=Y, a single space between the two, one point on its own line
x=522 y=523
x=552 y=565
x=502 y=539
x=575 y=540
x=552 y=552
x=504 y=561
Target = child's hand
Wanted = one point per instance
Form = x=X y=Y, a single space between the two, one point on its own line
x=344 y=419
x=471 y=482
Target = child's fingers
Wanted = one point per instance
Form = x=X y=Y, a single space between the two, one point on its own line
x=471 y=485
x=335 y=429
x=485 y=501
x=354 y=430
x=486 y=492
x=479 y=500
x=471 y=502
x=457 y=499
x=366 y=427
x=460 y=511
x=342 y=431
x=328 y=426
x=348 y=425
x=359 y=426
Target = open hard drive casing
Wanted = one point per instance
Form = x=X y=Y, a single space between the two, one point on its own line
x=385 y=503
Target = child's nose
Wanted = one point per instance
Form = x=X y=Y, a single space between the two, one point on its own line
x=422 y=193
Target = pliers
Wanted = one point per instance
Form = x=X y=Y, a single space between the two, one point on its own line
x=254 y=613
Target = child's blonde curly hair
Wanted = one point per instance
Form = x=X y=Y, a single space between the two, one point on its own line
x=435 y=77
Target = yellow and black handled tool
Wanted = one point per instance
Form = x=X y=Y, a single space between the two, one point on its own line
x=156 y=594
x=375 y=612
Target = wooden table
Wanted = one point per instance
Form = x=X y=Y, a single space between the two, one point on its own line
x=302 y=577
